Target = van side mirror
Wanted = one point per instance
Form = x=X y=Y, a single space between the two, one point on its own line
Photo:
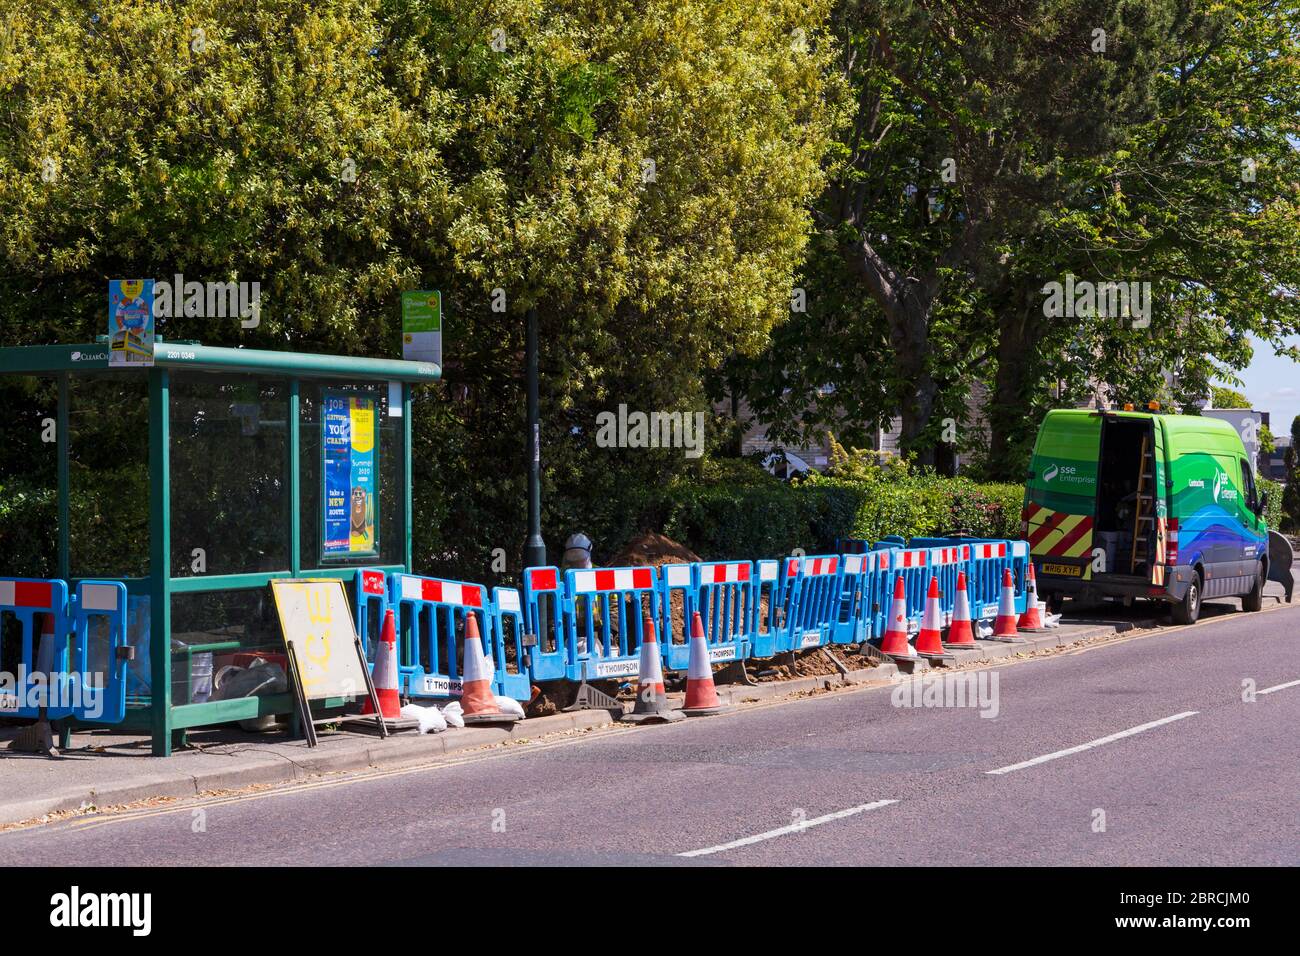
x=1262 y=504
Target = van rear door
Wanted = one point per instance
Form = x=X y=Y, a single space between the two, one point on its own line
x=1061 y=494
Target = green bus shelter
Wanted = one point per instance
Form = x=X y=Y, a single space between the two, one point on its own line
x=196 y=481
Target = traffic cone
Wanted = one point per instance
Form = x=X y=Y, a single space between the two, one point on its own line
x=959 y=632
x=384 y=676
x=701 y=695
x=1004 y=626
x=894 y=642
x=928 y=642
x=651 y=701
x=1032 y=619
x=478 y=704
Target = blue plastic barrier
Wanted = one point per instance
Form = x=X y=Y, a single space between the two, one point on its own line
x=853 y=618
x=768 y=629
x=676 y=580
x=371 y=589
x=946 y=563
x=915 y=567
x=431 y=616
x=29 y=600
x=723 y=593
x=988 y=559
x=608 y=607
x=99 y=641
x=546 y=633
x=510 y=679
x=82 y=671
x=1020 y=573
x=812 y=601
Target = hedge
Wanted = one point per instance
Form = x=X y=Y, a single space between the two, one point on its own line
x=757 y=516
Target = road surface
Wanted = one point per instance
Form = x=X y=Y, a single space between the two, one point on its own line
x=1141 y=752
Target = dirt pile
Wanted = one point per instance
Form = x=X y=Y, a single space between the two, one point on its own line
x=652 y=549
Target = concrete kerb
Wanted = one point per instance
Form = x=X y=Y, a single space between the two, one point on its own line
x=263 y=765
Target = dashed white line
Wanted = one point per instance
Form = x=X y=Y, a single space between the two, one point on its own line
x=792 y=828
x=1094 y=743
x=1269 y=690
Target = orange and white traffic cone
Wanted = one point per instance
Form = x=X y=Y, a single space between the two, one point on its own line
x=651 y=700
x=894 y=642
x=385 y=674
x=701 y=695
x=1032 y=619
x=928 y=639
x=1004 y=627
x=959 y=632
x=477 y=702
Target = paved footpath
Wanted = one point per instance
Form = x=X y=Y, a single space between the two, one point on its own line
x=1149 y=737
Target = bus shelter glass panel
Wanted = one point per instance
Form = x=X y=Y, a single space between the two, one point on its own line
x=351 y=467
x=229 y=474
x=29 y=493
x=29 y=476
x=108 y=474
x=225 y=645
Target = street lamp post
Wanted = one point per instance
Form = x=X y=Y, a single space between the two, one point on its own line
x=534 y=547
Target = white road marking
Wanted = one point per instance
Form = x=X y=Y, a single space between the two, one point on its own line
x=792 y=828
x=1269 y=690
x=1094 y=743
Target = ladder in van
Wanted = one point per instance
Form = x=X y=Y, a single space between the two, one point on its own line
x=1144 y=511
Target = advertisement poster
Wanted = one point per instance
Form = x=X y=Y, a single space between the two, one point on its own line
x=422 y=327
x=351 y=475
x=130 y=322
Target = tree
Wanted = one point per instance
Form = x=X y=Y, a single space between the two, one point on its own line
x=1291 y=492
x=1221 y=397
x=963 y=187
x=639 y=172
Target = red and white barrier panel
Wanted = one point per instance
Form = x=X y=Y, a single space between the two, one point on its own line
x=38 y=594
x=906 y=558
x=728 y=573
x=413 y=588
x=613 y=579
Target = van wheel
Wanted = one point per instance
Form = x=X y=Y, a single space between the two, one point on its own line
x=1188 y=609
x=1254 y=601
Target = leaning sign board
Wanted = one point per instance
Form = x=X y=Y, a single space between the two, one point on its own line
x=325 y=654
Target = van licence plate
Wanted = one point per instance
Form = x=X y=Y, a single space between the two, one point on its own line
x=1064 y=570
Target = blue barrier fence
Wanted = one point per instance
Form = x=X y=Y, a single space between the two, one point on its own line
x=752 y=609
x=68 y=658
x=557 y=626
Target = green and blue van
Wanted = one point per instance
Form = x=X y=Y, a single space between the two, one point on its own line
x=1125 y=504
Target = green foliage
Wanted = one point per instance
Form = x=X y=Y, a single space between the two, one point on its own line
x=1221 y=397
x=1289 y=499
x=1274 y=513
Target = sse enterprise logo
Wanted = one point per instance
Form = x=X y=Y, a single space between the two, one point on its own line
x=1067 y=475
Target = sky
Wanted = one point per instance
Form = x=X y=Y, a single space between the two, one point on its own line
x=1273 y=385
